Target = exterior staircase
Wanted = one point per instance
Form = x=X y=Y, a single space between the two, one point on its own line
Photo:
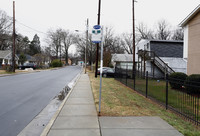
x=162 y=65
x=156 y=61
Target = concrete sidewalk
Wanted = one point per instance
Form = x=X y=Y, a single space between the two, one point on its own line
x=78 y=117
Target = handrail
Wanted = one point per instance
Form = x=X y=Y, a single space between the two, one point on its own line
x=169 y=69
x=161 y=64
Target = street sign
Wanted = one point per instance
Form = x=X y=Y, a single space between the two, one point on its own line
x=96 y=34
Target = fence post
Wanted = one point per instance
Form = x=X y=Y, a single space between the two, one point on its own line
x=146 y=84
x=120 y=74
x=134 y=72
x=198 y=110
x=126 y=74
x=167 y=91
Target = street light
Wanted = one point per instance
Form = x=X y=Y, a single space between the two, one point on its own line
x=87 y=27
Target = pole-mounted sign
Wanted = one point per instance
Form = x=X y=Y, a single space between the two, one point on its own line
x=96 y=34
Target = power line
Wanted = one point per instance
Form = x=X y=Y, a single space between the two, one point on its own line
x=31 y=28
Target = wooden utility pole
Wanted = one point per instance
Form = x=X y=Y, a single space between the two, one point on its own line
x=14 y=37
x=134 y=72
x=97 y=53
x=133 y=36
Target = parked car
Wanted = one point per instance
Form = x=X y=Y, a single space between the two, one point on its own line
x=104 y=68
x=27 y=65
x=107 y=72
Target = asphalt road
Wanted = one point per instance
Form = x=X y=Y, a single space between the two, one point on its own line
x=23 y=96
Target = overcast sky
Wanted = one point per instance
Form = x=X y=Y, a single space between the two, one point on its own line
x=72 y=14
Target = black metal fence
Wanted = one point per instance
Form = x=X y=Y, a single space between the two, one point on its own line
x=184 y=100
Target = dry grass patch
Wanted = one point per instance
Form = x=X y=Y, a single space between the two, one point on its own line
x=16 y=71
x=119 y=100
x=2 y=72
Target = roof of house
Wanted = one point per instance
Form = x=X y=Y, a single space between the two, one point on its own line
x=165 y=48
x=190 y=16
x=122 y=57
x=28 y=57
x=4 y=53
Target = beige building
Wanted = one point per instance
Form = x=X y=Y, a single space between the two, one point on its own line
x=191 y=25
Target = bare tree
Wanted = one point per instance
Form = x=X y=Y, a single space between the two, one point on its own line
x=112 y=44
x=163 y=30
x=19 y=44
x=143 y=32
x=91 y=50
x=127 y=42
x=5 y=30
x=117 y=45
x=54 y=41
x=80 y=43
x=108 y=37
x=178 y=34
x=67 y=40
x=47 y=53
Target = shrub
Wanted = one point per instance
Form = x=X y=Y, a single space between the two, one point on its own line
x=7 y=68
x=177 y=79
x=193 y=84
x=56 y=63
x=22 y=58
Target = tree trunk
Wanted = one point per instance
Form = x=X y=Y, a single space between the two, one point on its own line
x=66 y=57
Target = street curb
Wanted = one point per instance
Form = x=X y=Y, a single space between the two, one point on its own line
x=51 y=122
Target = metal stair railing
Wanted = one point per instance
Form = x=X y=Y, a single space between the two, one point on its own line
x=163 y=66
x=150 y=55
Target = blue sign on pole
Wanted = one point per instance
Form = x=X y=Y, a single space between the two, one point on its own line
x=96 y=34
x=97 y=27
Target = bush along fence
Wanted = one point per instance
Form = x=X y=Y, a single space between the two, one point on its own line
x=180 y=94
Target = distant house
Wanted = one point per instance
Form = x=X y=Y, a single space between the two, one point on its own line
x=191 y=25
x=64 y=61
x=124 y=61
x=29 y=59
x=6 y=58
x=160 y=57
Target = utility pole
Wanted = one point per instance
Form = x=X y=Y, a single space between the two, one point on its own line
x=133 y=37
x=97 y=53
x=87 y=25
x=14 y=37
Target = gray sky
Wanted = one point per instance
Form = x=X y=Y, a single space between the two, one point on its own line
x=71 y=14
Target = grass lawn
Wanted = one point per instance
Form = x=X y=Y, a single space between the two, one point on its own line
x=119 y=100
x=157 y=90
